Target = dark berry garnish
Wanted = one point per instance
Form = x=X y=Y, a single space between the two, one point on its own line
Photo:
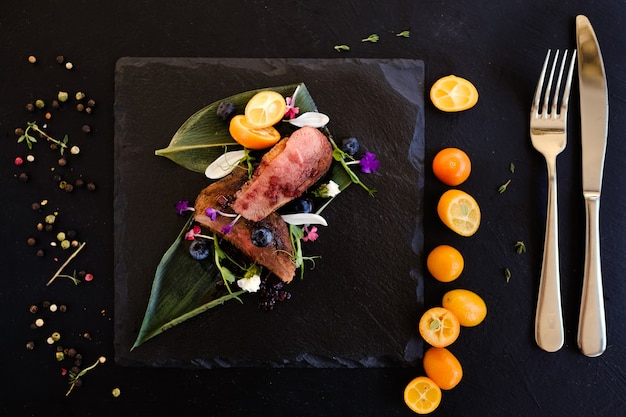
x=261 y=236
x=199 y=249
x=302 y=205
x=271 y=292
x=225 y=110
x=350 y=146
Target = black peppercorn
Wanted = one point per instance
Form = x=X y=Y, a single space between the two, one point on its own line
x=23 y=177
x=36 y=206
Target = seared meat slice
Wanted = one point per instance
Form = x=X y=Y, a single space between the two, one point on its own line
x=277 y=256
x=285 y=172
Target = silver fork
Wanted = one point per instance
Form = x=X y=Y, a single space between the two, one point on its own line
x=548 y=132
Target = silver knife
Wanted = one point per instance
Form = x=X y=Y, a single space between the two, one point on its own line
x=594 y=112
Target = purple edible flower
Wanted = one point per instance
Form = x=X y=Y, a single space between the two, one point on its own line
x=369 y=163
x=211 y=213
x=182 y=206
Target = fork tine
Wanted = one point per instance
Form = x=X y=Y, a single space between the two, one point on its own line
x=568 y=83
x=542 y=75
x=557 y=87
x=546 y=97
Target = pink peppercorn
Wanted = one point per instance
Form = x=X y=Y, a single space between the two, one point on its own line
x=89 y=277
x=19 y=160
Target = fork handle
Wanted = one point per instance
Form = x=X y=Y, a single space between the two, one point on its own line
x=591 y=324
x=549 y=331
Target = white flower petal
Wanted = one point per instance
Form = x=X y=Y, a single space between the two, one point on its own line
x=224 y=164
x=251 y=284
x=304 y=218
x=312 y=119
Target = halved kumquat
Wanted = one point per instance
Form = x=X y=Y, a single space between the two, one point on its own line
x=265 y=108
x=459 y=211
x=422 y=395
x=250 y=136
x=439 y=327
x=452 y=94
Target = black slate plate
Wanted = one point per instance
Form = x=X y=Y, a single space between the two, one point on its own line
x=360 y=305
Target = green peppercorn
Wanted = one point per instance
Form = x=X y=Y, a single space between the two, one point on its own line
x=40 y=104
x=50 y=218
x=59 y=356
x=66 y=244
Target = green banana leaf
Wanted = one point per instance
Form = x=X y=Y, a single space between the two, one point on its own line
x=203 y=137
x=182 y=287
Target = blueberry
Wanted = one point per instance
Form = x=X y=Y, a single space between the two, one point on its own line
x=350 y=146
x=302 y=205
x=225 y=110
x=261 y=236
x=199 y=249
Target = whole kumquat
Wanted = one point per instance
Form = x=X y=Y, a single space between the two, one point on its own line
x=452 y=166
x=442 y=367
x=445 y=263
x=466 y=305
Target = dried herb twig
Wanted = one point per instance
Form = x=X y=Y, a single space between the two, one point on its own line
x=60 y=270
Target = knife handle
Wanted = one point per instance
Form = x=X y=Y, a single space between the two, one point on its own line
x=549 y=331
x=591 y=323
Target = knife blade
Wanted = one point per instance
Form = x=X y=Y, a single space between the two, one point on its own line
x=594 y=112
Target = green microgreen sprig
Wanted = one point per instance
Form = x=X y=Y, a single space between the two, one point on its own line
x=404 y=34
x=30 y=139
x=75 y=377
x=520 y=247
x=341 y=48
x=296 y=234
x=343 y=158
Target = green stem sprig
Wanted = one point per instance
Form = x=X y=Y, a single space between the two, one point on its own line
x=30 y=139
x=59 y=273
x=75 y=377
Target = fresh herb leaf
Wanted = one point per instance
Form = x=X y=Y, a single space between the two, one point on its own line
x=503 y=187
x=371 y=38
x=507 y=274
